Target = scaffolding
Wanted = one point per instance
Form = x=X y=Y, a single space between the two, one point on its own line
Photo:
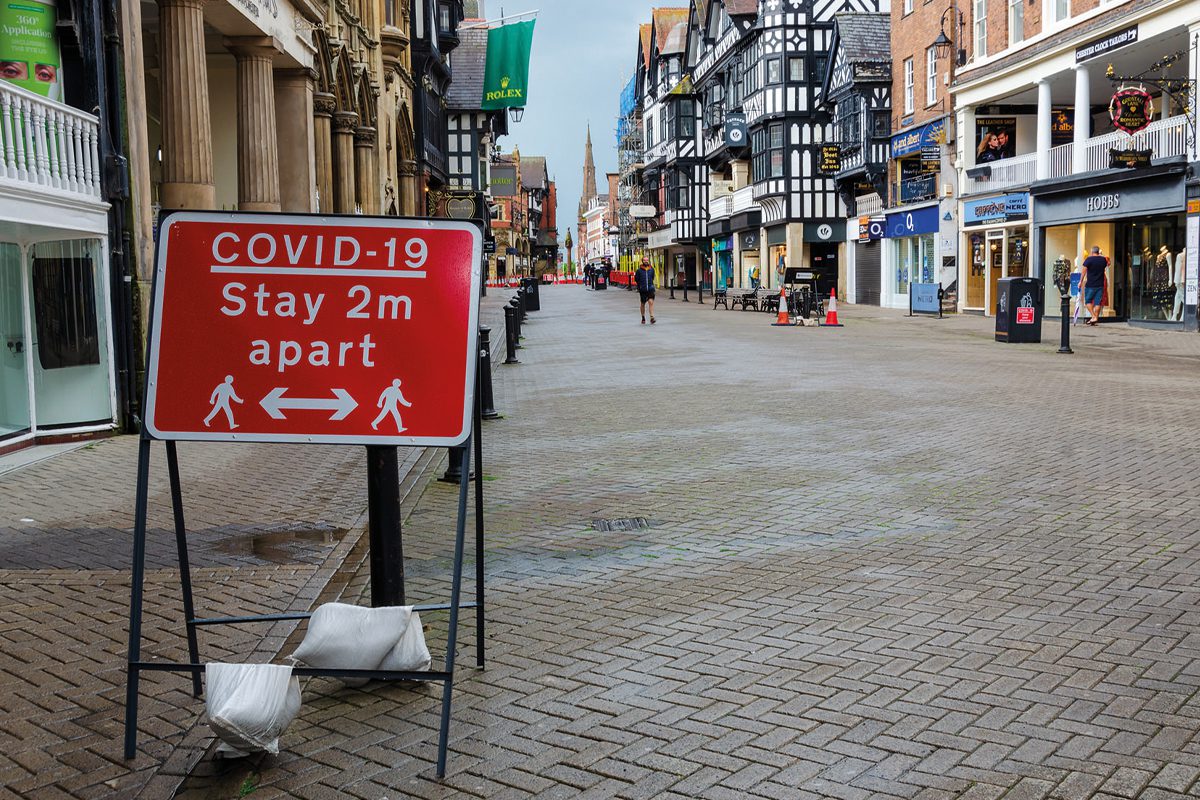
x=630 y=240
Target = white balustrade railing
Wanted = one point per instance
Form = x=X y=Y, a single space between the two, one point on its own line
x=869 y=204
x=743 y=199
x=46 y=144
x=1006 y=173
x=1164 y=138
x=720 y=207
x=1060 y=159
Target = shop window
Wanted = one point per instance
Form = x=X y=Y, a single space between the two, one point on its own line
x=64 y=292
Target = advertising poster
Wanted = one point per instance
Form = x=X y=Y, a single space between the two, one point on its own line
x=997 y=139
x=1062 y=126
x=28 y=48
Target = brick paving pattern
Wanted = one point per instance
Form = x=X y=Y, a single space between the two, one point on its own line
x=892 y=560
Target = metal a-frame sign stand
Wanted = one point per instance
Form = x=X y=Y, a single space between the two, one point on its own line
x=222 y=234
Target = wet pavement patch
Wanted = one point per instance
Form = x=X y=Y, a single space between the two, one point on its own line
x=282 y=546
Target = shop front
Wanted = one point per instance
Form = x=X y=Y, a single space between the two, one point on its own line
x=912 y=244
x=1137 y=220
x=996 y=241
x=868 y=261
x=749 y=268
x=823 y=242
x=722 y=259
x=776 y=257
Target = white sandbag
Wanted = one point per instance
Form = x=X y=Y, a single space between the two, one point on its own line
x=410 y=654
x=250 y=705
x=343 y=636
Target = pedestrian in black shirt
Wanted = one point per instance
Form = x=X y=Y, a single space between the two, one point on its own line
x=645 y=286
x=1092 y=285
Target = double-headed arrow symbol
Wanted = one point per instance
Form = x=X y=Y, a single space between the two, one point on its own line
x=341 y=405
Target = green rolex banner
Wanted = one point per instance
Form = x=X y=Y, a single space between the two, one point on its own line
x=506 y=76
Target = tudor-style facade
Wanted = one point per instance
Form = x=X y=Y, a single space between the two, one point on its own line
x=674 y=170
x=857 y=92
x=719 y=51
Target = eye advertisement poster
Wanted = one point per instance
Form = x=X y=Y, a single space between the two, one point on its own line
x=29 y=54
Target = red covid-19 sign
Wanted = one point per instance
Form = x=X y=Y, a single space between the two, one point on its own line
x=304 y=328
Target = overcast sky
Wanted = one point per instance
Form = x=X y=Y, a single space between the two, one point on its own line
x=584 y=51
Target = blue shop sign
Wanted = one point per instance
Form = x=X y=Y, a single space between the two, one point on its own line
x=912 y=223
x=916 y=140
x=1007 y=208
x=722 y=244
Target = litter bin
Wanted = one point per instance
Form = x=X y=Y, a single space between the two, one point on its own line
x=532 y=302
x=601 y=279
x=1019 y=310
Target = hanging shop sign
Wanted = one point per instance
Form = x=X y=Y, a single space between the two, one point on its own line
x=29 y=54
x=1128 y=159
x=831 y=158
x=995 y=210
x=1131 y=110
x=503 y=181
x=735 y=130
x=1062 y=126
x=309 y=328
x=1105 y=44
x=870 y=228
x=506 y=71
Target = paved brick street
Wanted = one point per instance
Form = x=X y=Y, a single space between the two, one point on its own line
x=892 y=560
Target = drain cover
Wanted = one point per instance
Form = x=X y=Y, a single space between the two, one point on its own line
x=623 y=524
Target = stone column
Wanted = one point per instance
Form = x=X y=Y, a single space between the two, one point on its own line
x=187 y=160
x=366 y=171
x=344 y=125
x=323 y=108
x=1083 y=119
x=408 y=187
x=1043 y=130
x=258 y=150
x=295 y=130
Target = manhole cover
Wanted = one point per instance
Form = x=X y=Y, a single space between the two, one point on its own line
x=623 y=524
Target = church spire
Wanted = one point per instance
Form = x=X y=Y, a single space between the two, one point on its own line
x=588 y=192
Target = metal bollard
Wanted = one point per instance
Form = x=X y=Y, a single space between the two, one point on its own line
x=510 y=335
x=523 y=300
x=453 y=472
x=485 y=373
x=516 y=307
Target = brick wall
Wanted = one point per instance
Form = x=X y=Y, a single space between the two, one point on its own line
x=912 y=34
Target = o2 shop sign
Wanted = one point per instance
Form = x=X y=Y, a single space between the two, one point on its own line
x=303 y=328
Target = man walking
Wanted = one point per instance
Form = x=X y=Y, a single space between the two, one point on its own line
x=644 y=277
x=1092 y=285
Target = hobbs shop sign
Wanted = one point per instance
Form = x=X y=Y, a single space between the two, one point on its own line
x=1132 y=199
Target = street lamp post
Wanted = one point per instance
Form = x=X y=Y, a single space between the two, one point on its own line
x=1062 y=279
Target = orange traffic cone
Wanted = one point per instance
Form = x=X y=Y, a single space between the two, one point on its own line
x=782 y=319
x=831 y=311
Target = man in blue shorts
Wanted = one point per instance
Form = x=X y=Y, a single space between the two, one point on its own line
x=1092 y=286
x=645 y=286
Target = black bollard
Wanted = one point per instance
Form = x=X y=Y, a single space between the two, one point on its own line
x=1064 y=342
x=523 y=298
x=453 y=472
x=510 y=335
x=485 y=373
x=383 y=524
x=515 y=305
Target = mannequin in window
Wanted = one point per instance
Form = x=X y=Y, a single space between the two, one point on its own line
x=1180 y=279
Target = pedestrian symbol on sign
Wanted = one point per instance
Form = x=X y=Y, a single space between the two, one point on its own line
x=390 y=402
x=220 y=402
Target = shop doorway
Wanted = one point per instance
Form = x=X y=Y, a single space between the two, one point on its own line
x=824 y=266
x=1007 y=255
x=14 y=373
